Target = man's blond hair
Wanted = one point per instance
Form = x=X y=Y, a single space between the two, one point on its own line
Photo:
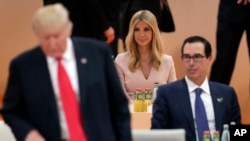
x=53 y=15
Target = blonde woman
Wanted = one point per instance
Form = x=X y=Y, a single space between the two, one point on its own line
x=144 y=62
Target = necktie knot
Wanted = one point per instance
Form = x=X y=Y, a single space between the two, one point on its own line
x=59 y=58
x=198 y=91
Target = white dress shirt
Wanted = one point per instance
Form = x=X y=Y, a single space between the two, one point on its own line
x=207 y=100
x=69 y=63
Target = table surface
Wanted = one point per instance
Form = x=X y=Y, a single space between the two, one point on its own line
x=140 y=120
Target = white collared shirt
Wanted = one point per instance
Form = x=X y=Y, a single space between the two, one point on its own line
x=69 y=63
x=207 y=100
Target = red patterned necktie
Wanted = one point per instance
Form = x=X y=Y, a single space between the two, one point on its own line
x=70 y=105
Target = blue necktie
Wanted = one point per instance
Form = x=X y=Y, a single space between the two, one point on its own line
x=200 y=115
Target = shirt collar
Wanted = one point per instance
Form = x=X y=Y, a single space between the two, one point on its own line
x=192 y=86
x=67 y=55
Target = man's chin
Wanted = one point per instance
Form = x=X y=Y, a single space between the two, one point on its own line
x=55 y=55
x=191 y=76
x=191 y=72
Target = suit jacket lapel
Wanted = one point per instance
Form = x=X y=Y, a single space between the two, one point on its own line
x=42 y=72
x=217 y=99
x=82 y=68
x=185 y=102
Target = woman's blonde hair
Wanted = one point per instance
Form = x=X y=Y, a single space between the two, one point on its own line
x=156 y=48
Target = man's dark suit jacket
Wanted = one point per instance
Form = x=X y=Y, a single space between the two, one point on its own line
x=172 y=108
x=30 y=103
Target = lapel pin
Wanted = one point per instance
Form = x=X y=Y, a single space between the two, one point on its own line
x=84 y=60
x=219 y=99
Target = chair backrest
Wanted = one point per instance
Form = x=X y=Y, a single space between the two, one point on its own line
x=159 y=135
x=6 y=133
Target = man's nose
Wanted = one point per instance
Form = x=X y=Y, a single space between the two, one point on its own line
x=52 y=41
x=191 y=61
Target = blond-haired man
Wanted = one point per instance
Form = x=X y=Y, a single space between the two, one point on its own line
x=34 y=104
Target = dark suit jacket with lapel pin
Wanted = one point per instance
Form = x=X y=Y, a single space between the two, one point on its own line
x=30 y=101
x=172 y=108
